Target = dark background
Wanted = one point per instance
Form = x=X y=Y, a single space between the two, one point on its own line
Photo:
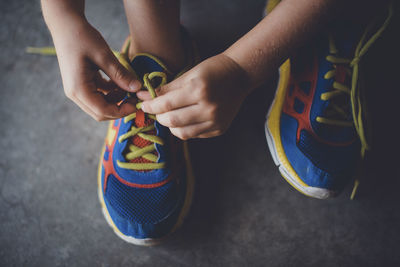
x=244 y=213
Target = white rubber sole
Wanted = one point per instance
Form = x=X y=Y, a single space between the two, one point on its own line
x=314 y=192
x=309 y=191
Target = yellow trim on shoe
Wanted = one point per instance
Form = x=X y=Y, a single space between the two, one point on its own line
x=274 y=118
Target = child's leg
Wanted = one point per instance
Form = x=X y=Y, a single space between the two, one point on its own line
x=155 y=28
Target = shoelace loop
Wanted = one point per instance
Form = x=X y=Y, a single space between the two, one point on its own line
x=146 y=152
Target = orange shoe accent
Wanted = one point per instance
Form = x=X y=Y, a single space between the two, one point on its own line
x=305 y=71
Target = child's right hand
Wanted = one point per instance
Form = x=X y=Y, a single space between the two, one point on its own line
x=82 y=52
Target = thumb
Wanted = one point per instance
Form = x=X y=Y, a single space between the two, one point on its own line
x=118 y=73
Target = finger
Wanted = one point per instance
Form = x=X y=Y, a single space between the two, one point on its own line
x=143 y=95
x=174 y=85
x=96 y=102
x=104 y=85
x=210 y=134
x=182 y=117
x=90 y=112
x=86 y=109
x=112 y=93
x=170 y=101
x=192 y=131
x=117 y=73
x=115 y=96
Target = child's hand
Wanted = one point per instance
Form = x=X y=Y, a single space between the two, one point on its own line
x=82 y=52
x=203 y=102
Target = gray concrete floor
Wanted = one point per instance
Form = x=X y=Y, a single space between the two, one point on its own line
x=244 y=213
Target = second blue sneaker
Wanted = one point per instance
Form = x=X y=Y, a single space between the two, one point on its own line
x=315 y=126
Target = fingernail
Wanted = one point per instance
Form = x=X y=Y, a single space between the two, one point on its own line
x=135 y=85
x=143 y=107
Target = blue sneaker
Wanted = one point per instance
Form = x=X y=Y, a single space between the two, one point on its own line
x=314 y=127
x=145 y=180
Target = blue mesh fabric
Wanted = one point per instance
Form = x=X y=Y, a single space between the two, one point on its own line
x=317 y=164
x=141 y=205
x=333 y=159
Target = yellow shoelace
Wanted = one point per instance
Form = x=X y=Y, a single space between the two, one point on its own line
x=137 y=152
x=352 y=68
x=144 y=152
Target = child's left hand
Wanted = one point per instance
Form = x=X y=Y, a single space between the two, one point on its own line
x=202 y=102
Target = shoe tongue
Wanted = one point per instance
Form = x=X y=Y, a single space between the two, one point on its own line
x=143 y=64
x=140 y=119
x=346 y=37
